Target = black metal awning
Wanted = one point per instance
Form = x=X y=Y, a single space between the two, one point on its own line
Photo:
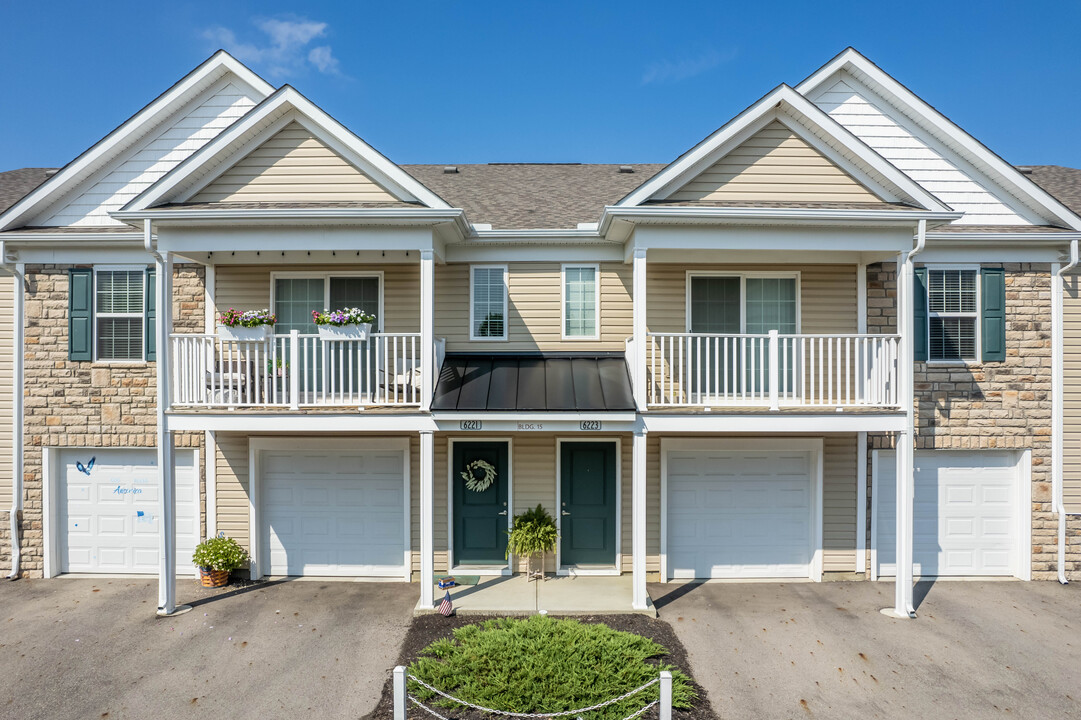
x=564 y=383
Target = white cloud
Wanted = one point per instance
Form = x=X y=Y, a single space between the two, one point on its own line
x=667 y=71
x=284 y=51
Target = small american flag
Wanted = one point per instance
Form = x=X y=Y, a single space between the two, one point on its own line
x=445 y=607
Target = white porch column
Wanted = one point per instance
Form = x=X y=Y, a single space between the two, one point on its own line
x=427 y=328
x=427 y=517
x=166 y=466
x=905 y=441
x=638 y=521
x=638 y=376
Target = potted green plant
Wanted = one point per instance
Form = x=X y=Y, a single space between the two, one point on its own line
x=345 y=324
x=216 y=557
x=532 y=535
x=246 y=326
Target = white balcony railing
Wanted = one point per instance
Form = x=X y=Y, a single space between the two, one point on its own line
x=771 y=370
x=295 y=371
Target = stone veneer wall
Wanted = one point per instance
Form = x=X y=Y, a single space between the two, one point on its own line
x=996 y=405
x=87 y=404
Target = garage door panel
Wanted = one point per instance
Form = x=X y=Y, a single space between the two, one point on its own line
x=107 y=512
x=339 y=513
x=965 y=514
x=738 y=514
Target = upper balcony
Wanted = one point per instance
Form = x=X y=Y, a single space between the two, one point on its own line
x=298 y=371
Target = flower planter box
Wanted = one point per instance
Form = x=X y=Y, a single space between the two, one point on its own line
x=213 y=578
x=243 y=334
x=345 y=332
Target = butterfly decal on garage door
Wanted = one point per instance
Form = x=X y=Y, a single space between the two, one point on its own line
x=85 y=468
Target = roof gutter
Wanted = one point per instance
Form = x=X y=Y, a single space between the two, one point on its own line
x=15 y=514
x=890 y=217
x=1057 y=404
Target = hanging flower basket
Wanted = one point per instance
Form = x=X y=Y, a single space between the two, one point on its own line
x=358 y=331
x=213 y=578
x=243 y=334
x=347 y=324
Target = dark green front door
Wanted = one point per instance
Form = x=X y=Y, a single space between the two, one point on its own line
x=587 y=492
x=480 y=516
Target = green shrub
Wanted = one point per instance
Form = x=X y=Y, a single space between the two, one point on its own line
x=219 y=553
x=543 y=664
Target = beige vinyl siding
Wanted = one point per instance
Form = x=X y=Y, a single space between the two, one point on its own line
x=293 y=166
x=774 y=165
x=534 y=312
x=248 y=287
x=7 y=333
x=827 y=295
x=838 y=500
x=231 y=487
x=1071 y=418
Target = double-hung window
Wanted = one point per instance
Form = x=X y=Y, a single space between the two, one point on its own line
x=111 y=314
x=952 y=314
x=488 y=302
x=581 y=306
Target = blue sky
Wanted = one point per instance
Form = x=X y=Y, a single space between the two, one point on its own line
x=528 y=81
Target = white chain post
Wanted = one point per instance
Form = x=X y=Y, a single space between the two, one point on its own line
x=399 y=692
x=666 y=695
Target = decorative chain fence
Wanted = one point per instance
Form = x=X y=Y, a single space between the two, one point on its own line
x=402 y=699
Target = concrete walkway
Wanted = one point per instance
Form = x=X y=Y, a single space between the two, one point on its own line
x=976 y=649
x=559 y=595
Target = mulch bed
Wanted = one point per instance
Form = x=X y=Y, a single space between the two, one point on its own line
x=426 y=629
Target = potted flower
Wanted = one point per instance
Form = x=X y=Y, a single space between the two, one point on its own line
x=345 y=324
x=532 y=535
x=250 y=325
x=217 y=557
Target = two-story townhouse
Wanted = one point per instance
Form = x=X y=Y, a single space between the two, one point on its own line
x=707 y=369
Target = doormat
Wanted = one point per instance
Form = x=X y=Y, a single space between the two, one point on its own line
x=459 y=579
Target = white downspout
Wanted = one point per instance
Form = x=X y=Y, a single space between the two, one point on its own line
x=17 y=272
x=1057 y=405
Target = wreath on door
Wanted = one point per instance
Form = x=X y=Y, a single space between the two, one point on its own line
x=478 y=475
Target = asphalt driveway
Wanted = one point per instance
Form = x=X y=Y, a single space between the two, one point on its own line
x=94 y=649
x=977 y=649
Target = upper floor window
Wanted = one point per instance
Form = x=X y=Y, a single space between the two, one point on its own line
x=581 y=306
x=952 y=302
x=488 y=302
x=297 y=294
x=960 y=314
x=119 y=304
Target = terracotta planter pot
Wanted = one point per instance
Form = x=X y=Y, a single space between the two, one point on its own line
x=213 y=578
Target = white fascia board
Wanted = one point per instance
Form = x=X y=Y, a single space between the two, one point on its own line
x=216 y=66
x=292 y=239
x=297 y=424
x=133 y=255
x=184 y=180
x=783 y=101
x=797 y=238
x=533 y=252
x=1014 y=253
x=1008 y=177
x=773 y=423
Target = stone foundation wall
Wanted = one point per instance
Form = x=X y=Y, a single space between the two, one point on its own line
x=994 y=405
x=88 y=404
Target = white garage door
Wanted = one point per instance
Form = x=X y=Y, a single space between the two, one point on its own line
x=739 y=514
x=333 y=512
x=965 y=514
x=108 y=511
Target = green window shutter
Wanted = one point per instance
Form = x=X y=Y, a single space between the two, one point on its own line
x=151 y=316
x=993 y=314
x=80 y=314
x=919 y=322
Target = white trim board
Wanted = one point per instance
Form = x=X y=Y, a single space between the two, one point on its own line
x=259 y=445
x=617 y=568
x=814 y=446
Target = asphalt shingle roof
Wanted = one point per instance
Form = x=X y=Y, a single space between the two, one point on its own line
x=1062 y=182
x=15 y=184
